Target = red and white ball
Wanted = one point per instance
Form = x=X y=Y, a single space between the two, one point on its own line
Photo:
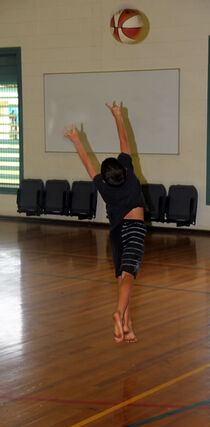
x=127 y=25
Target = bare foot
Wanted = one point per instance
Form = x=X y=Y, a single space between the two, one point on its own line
x=129 y=335
x=118 y=329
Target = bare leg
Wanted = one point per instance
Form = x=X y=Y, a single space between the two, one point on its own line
x=118 y=329
x=125 y=283
x=129 y=335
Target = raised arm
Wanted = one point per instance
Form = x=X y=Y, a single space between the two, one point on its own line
x=73 y=136
x=124 y=143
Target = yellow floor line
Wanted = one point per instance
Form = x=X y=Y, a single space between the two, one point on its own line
x=140 y=396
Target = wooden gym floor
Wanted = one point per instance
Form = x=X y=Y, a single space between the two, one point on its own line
x=59 y=363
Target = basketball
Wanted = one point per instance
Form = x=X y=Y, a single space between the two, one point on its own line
x=129 y=26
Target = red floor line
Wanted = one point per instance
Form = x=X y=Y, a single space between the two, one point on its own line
x=92 y=402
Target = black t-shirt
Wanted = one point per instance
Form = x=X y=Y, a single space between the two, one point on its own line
x=121 y=200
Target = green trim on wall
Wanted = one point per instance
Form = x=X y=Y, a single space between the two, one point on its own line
x=14 y=54
x=19 y=75
x=208 y=138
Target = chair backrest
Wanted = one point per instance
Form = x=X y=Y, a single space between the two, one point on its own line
x=57 y=197
x=83 y=199
x=155 y=199
x=182 y=204
x=30 y=196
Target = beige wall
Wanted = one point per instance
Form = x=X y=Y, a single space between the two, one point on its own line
x=61 y=36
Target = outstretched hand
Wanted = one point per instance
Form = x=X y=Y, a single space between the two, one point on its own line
x=72 y=133
x=115 y=109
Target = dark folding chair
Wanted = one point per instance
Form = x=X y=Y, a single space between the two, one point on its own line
x=57 y=197
x=155 y=199
x=83 y=200
x=30 y=196
x=181 y=206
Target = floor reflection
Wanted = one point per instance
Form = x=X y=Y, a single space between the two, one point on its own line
x=11 y=318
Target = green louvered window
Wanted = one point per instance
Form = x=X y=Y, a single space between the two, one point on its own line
x=11 y=158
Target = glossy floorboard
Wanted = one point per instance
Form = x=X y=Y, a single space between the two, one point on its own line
x=59 y=364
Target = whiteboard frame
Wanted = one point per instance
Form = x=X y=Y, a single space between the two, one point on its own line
x=71 y=148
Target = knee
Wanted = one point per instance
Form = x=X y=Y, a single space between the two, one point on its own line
x=126 y=275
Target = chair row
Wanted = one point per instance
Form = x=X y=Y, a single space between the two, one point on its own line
x=57 y=197
x=178 y=206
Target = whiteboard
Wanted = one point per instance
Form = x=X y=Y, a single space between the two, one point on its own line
x=149 y=101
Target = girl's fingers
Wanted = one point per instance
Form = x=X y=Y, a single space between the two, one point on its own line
x=109 y=106
x=113 y=106
x=65 y=130
x=69 y=130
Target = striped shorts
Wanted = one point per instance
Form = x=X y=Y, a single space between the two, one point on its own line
x=127 y=242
